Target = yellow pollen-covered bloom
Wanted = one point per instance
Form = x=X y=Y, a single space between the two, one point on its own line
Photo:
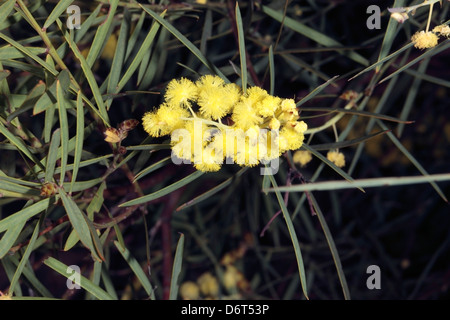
x=181 y=92
x=424 y=40
x=337 y=158
x=209 y=81
x=164 y=120
x=290 y=139
x=256 y=94
x=288 y=105
x=268 y=106
x=244 y=115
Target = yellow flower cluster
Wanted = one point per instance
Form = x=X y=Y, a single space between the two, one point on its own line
x=210 y=121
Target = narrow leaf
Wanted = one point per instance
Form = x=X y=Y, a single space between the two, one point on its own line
x=185 y=42
x=242 y=55
x=178 y=261
x=85 y=283
x=64 y=125
x=79 y=140
x=52 y=155
x=139 y=56
x=362 y=183
x=333 y=249
x=10 y=237
x=100 y=37
x=136 y=267
x=24 y=214
x=57 y=11
x=294 y=239
x=6 y=9
x=162 y=192
x=78 y=220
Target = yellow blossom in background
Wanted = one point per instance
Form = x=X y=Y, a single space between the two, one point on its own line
x=337 y=158
x=234 y=279
x=209 y=286
x=110 y=47
x=424 y=40
x=443 y=30
x=189 y=291
x=302 y=157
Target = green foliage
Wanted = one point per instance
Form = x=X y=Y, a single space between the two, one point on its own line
x=79 y=186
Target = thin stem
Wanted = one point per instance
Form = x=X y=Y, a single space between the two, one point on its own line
x=429 y=17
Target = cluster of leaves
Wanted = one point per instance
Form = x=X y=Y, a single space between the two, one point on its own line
x=82 y=184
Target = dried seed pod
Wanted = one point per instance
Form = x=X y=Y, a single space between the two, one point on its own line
x=129 y=124
x=112 y=135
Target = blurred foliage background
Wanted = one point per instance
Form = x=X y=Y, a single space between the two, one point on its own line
x=60 y=89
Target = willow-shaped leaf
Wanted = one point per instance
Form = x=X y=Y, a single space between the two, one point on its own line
x=162 y=192
x=85 y=283
x=176 y=270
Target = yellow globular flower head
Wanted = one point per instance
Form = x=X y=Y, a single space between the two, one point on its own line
x=424 y=40
x=288 y=111
x=292 y=135
x=189 y=290
x=164 y=120
x=209 y=81
x=337 y=158
x=181 y=92
x=244 y=114
x=216 y=102
x=267 y=106
x=302 y=157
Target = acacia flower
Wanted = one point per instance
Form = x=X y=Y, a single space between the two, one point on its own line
x=164 y=120
x=290 y=139
x=424 y=40
x=181 y=92
x=337 y=158
x=244 y=114
x=216 y=102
